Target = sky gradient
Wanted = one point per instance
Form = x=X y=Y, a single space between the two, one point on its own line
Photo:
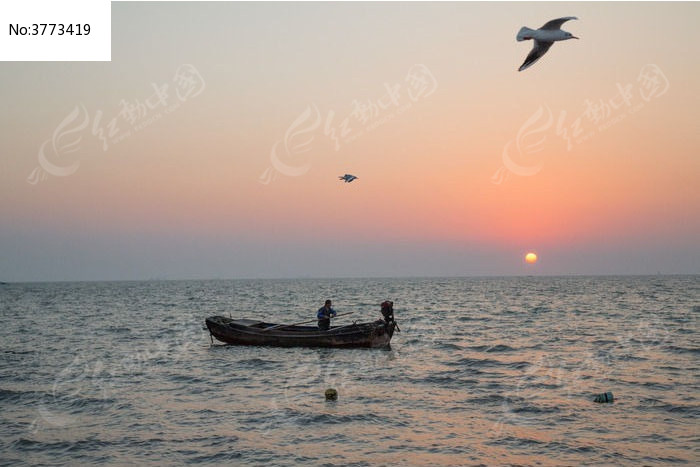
x=221 y=160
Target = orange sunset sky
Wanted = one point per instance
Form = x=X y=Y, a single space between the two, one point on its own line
x=211 y=145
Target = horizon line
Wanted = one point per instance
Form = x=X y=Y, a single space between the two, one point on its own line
x=489 y=276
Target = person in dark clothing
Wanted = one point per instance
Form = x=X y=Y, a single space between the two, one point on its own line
x=324 y=315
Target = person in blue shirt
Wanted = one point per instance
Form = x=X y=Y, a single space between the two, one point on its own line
x=324 y=315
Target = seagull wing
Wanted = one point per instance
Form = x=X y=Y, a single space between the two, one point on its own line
x=556 y=23
x=540 y=48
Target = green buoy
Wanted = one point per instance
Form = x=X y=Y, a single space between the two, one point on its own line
x=604 y=398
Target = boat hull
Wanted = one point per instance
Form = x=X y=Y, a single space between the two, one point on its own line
x=249 y=332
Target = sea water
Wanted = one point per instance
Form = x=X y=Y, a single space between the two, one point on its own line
x=484 y=371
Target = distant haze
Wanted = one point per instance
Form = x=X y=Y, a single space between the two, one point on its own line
x=211 y=145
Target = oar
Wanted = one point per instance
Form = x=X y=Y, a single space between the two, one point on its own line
x=278 y=326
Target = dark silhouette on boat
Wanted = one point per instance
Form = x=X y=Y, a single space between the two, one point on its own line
x=375 y=334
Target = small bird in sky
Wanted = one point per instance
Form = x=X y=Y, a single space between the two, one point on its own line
x=544 y=38
x=348 y=178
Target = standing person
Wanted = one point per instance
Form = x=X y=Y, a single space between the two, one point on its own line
x=324 y=315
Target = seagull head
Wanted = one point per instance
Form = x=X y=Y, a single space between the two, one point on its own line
x=570 y=36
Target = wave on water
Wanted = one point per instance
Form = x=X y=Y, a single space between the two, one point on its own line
x=682 y=350
x=8 y=395
x=492 y=348
x=478 y=363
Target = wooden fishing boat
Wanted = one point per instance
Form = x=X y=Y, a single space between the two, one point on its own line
x=375 y=334
x=252 y=332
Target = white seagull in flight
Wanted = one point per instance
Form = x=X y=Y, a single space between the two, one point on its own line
x=544 y=38
x=348 y=178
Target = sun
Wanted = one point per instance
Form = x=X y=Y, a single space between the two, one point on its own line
x=531 y=258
